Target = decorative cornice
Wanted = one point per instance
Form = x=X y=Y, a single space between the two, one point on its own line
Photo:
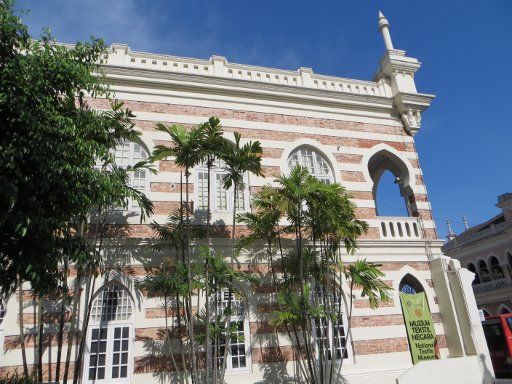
x=121 y=75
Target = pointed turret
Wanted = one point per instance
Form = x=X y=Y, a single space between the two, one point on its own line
x=451 y=234
x=465 y=221
x=397 y=70
x=384 y=29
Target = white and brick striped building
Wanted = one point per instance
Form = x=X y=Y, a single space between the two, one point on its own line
x=354 y=130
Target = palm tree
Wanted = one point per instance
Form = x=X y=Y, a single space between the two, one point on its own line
x=321 y=219
x=218 y=325
x=186 y=150
x=239 y=160
x=211 y=146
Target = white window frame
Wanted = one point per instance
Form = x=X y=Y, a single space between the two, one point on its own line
x=344 y=318
x=218 y=170
x=131 y=206
x=110 y=326
x=235 y=318
x=317 y=157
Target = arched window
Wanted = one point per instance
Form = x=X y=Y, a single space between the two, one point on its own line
x=486 y=312
x=485 y=275
x=331 y=330
x=392 y=193
x=496 y=270
x=238 y=356
x=410 y=285
x=509 y=261
x=471 y=267
x=221 y=199
x=504 y=310
x=128 y=154
x=313 y=161
x=109 y=337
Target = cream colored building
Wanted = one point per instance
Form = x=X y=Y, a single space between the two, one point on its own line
x=354 y=130
x=486 y=250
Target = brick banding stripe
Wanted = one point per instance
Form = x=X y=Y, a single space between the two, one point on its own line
x=352 y=176
x=276 y=118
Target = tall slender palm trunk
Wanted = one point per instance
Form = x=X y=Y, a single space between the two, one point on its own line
x=207 y=277
x=22 y=330
x=189 y=280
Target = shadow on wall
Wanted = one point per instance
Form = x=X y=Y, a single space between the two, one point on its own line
x=271 y=365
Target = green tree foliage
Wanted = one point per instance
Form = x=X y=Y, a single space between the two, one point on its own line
x=320 y=223
x=51 y=142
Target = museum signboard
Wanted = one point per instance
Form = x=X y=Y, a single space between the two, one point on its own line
x=420 y=327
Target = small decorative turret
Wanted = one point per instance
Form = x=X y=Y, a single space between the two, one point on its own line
x=465 y=220
x=451 y=234
x=384 y=29
x=397 y=70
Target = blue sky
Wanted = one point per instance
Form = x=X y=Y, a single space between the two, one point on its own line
x=465 y=144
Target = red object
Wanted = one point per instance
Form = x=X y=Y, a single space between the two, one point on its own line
x=498 y=333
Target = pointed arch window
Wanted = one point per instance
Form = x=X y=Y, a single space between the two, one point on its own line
x=485 y=275
x=471 y=267
x=410 y=285
x=313 y=161
x=392 y=191
x=496 y=270
x=110 y=337
x=504 y=310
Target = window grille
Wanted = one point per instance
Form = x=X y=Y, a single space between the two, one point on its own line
x=238 y=346
x=221 y=198
x=330 y=331
x=109 y=342
x=313 y=161
x=111 y=304
x=128 y=154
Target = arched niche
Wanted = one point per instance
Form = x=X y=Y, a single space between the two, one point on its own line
x=504 y=310
x=496 y=269
x=389 y=167
x=485 y=274
x=471 y=267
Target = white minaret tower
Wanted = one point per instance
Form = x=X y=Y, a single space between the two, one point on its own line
x=384 y=29
x=396 y=73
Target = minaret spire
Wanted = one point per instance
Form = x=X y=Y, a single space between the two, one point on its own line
x=384 y=29
x=451 y=234
x=465 y=220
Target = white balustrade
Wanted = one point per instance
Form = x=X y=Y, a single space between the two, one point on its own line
x=218 y=66
x=400 y=228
